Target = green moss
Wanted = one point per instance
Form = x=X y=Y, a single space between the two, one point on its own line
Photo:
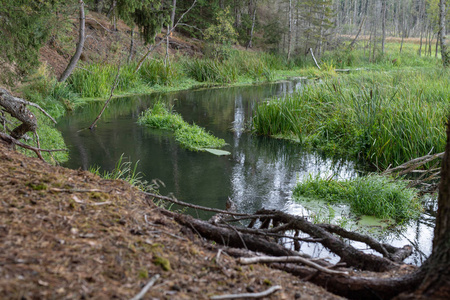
x=38 y=186
x=163 y=262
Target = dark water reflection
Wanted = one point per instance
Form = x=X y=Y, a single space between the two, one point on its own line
x=260 y=172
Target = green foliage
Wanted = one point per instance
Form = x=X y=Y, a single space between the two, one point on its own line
x=25 y=27
x=222 y=32
x=148 y=15
x=385 y=118
x=372 y=195
x=191 y=137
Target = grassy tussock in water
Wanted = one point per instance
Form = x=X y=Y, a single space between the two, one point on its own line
x=385 y=118
x=372 y=195
x=189 y=136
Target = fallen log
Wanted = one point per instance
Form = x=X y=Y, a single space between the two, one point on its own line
x=346 y=252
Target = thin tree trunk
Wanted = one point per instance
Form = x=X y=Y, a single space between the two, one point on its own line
x=172 y=14
x=130 y=55
x=383 y=25
x=82 y=37
x=290 y=31
x=249 y=44
x=445 y=53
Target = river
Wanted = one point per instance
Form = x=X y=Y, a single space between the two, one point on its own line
x=260 y=172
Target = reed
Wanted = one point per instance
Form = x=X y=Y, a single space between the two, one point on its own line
x=385 y=118
x=372 y=195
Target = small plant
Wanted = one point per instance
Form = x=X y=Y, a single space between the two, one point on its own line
x=373 y=195
x=126 y=171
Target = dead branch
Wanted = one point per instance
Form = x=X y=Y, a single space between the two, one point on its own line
x=288 y=259
x=231 y=238
x=265 y=293
x=178 y=202
x=12 y=141
x=393 y=253
x=347 y=253
x=113 y=87
x=146 y=288
x=413 y=164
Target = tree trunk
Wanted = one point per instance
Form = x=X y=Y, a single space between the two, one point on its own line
x=383 y=25
x=172 y=14
x=249 y=44
x=130 y=54
x=290 y=31
x=82 y=37
x=445 y=52
x=436 y=269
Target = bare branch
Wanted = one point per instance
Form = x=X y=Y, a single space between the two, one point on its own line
x=288 y=259
x=248 y=295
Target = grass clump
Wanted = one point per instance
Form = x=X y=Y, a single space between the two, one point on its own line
x=191 y=137
x=372 y=195
x=125 y=170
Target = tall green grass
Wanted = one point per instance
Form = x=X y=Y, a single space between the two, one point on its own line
x=191 y=137
x=384 y=117
x=372 y=195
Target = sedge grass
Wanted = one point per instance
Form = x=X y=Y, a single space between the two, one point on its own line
x=385 y=118
x=372 y=195
x=191 y=137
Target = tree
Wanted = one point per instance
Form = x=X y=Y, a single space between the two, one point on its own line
x=24 y=28
x=81 y=38
x=445 y=52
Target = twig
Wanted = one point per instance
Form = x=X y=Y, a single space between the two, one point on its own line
x=173 y=200
x=248 y=295
x=113 y=87
x=146 y=288
x=78 y=190
x=286 y=259
x=13 y=141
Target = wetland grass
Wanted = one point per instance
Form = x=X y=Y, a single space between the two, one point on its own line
x=384 y=117
x=372 y=195
x=191 y=137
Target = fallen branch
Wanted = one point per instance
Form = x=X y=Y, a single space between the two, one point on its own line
x=113 y=87
x=178 y=202
x=146 y=288
x=288 y=259
x=12 y=141
x=265 y=293
x=346 y=252
x=391 y=252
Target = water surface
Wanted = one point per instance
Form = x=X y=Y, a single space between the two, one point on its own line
x=260 y=172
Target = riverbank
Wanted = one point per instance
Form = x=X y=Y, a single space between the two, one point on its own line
x=71 y=234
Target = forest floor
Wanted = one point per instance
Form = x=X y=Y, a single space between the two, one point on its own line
x=71 y=234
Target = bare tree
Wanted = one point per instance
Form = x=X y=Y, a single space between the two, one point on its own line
x=81 y=38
